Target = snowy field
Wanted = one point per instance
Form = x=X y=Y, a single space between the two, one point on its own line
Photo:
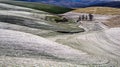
x=27 y=46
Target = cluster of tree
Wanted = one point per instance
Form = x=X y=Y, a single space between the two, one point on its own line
x=61 y=20
x=88 y=17
x=56 y=19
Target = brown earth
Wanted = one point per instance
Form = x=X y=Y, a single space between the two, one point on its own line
x=113 y=22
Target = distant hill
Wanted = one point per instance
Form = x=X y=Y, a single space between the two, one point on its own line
x=39 y=6
x=78 y=3
x=99 y=10
x=108 y=4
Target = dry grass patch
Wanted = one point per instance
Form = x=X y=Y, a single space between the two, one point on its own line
x=99 y=10
x=113 y=22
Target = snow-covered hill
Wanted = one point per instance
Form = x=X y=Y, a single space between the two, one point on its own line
x=28 y=40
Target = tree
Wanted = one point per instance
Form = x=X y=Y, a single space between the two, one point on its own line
x=79 y=19
x=90 y=17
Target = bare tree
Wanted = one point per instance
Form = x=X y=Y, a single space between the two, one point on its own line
x=79 y=19
x=91 y=17
x=83 y=17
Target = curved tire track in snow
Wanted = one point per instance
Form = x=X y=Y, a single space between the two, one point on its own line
x=103 y=43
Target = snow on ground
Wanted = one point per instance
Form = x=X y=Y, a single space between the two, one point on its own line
x=95 y=25
x=104 y=43
x=107 y=43
x=26 y=29
x=89 y=48
x=33 y=62
x=14 y=43
x=96 y=16
x=19 y=8
x=22 y=11
x=24 y=14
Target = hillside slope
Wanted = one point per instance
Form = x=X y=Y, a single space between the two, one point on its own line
x=99 y=10
x=33 y=19
x=28 y=39
x=39 y=6
x=24 y=45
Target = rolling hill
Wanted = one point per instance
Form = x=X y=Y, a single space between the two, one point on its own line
x=34 y=19
x=99 y=10
x=30 y=36
x=39 y=6
x=108 y=4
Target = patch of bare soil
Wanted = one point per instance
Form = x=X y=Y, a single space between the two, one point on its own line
x=113 y=22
